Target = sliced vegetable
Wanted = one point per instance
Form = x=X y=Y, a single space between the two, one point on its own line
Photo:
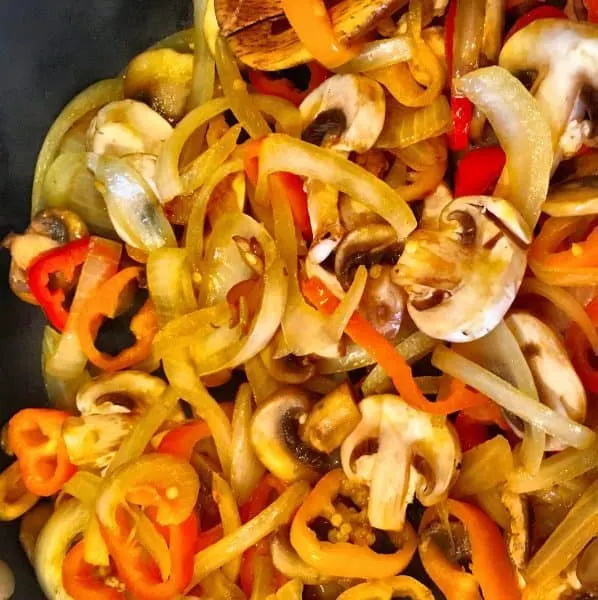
x=343 y=559
x=203 y=82
x=64 y=261
x=105 y=303
x=35 y=436
x=15 y=498
x=101 y=263
x=541 y=12
x=523 y=133
x=478 y=171
x=312 y=25
x=490 y=564
x=581 y=351
x=276 y=84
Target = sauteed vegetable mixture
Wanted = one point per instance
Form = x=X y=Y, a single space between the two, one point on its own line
x=321 y=282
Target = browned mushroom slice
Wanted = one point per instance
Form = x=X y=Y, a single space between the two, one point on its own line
x=162 y=79
x=260 y=36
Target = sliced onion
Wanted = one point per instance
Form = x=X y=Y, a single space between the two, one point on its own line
x=559 y=468
x=567 y=303
x=230 y=518
x=304 y=328
x=469 y=29
x=235 y=90
x=349 y=304
x=282 y=153
x=272 y=306
x=285 y=114
x=195 y=233
x=65 y=525
x=567 y=540
x=413 y=348
x=93 y=98
x=68 y=362
x=168 y=178
x=511 y=399
x=133 y=207
x=84 y=486
x=61 y=392
x=204 y=74
x=260 y=380
x=70 y=184
x=269 y=520
x=406 y=126
x=522 y=132
x=500 y=353
x=484 y=467
x=379 y=54
x=182 y=376
x=170 y=283
x=141 y=435
x=246 y=470
x=198 y=172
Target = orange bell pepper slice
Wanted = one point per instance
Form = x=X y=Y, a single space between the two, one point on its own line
x=545 y=249
x=15 y=498
x=105 y=304
x=491 y=567
x=83 y=581
x=140 y=573
x=386 y=355
x=35 y=436
x=343 y=559
x=309 y=19
x=280 y=184
x=581 y=352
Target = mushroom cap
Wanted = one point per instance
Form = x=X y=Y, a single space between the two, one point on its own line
x=463 y=276
x=359 y=99
x=557 y=382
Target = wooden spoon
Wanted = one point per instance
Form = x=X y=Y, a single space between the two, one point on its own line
x=261 y=37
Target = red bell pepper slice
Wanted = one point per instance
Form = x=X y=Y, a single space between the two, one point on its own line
x=461 y=107
x=83 y=581
x=284 y=87
x=479 y=170
x=35 y=436
x=140 y=573
x=64 y=261
x=582 y=356
x=181 y=440
x=592 y=8
x=258 y=501
x=541 y=12
x=471 y=433
x=281 y=184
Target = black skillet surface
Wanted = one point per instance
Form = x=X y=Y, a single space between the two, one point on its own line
x=49 y=51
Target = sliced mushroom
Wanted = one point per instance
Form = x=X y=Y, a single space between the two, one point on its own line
x=50 y=228
x=162 y=80
x=332 y=419
x=260 y=36
x=127 y=127
x=557 y=382
x=322 y=204
x=565 y=55
x=127 y=392
x=288 y=368
x=276 y=439
x=418 y=455
x=383 y=302
x=345 y=113
x=434 y=206
x=92 y=441
x=463 y=276
x=368 y=245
